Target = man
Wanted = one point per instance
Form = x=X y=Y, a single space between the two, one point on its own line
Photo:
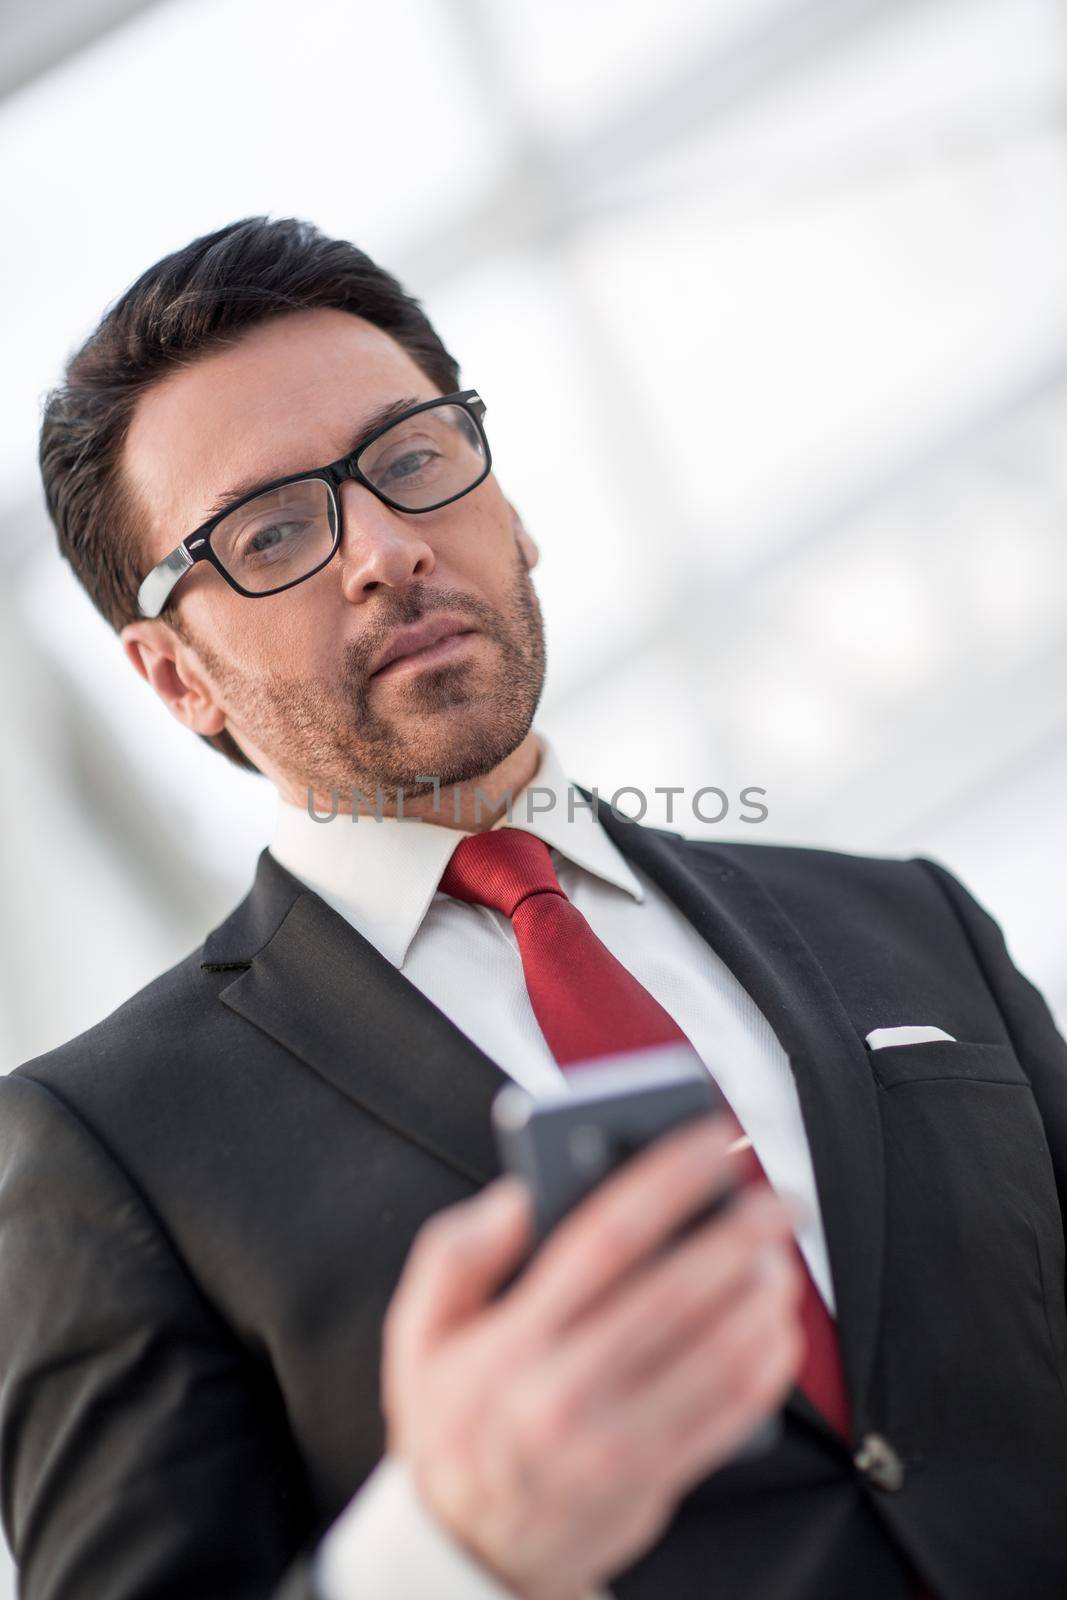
x=237 y=1356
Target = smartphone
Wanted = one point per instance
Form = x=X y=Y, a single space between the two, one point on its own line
x=563 y=1144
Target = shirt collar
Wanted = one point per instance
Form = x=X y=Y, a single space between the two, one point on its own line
x=382 y=875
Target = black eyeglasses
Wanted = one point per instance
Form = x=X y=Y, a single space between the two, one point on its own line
x=288 y=530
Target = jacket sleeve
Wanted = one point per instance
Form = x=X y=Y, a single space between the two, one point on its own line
x=143 y=1451
x=1040 y=1047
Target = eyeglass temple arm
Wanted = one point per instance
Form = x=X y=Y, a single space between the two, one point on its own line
x=152 y=595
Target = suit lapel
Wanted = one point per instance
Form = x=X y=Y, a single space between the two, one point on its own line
x=314 y=984
x=310 y=981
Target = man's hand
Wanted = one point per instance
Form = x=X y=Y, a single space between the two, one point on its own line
x=553 y=1430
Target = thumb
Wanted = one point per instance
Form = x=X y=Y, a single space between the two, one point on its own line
x=457 y=1261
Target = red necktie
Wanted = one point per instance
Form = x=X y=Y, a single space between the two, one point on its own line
x=587 y=1004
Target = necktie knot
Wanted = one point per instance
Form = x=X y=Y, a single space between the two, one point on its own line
x=501 y=869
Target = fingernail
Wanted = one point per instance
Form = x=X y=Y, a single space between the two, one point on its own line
x=508 y=1193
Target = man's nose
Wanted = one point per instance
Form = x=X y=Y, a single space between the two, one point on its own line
x=378 y=545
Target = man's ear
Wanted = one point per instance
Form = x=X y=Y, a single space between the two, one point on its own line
x=530 y=552
x=167 y=663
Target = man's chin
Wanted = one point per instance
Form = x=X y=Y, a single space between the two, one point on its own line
x=455 y=744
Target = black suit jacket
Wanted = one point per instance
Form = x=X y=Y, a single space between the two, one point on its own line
x=206 y=1201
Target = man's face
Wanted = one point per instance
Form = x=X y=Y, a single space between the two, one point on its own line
x=290 y=675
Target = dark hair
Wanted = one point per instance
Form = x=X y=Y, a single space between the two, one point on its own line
x=197 y=300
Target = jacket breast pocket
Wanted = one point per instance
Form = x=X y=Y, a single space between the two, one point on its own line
x=962 y=1060
x=972 y=1188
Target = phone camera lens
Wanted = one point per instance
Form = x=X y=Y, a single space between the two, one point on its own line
x=589 y=1149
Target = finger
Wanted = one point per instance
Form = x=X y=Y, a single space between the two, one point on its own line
x=624 y=1220
x=669 y=1435
x=730 y=1381
x=652 y=1315
x=459 y=1257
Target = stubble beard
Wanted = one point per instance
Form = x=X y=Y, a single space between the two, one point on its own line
x=454 y=723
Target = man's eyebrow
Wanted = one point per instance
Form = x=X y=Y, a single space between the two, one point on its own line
x=375 y=419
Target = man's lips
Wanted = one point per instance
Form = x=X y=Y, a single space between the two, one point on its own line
x=423 y=643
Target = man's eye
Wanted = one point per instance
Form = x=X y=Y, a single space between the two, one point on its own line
x=270 y=537
x=408 y=465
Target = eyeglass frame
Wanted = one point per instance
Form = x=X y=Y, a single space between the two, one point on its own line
x=155 y=590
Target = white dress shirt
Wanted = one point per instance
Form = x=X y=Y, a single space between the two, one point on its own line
x=382 y=876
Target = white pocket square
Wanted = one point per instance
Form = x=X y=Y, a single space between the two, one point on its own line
x=880 y=1038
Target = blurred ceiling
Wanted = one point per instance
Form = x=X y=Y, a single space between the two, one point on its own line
x=768 y=303
x=36 y=35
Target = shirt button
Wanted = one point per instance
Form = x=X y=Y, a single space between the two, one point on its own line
x=879 y=1462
